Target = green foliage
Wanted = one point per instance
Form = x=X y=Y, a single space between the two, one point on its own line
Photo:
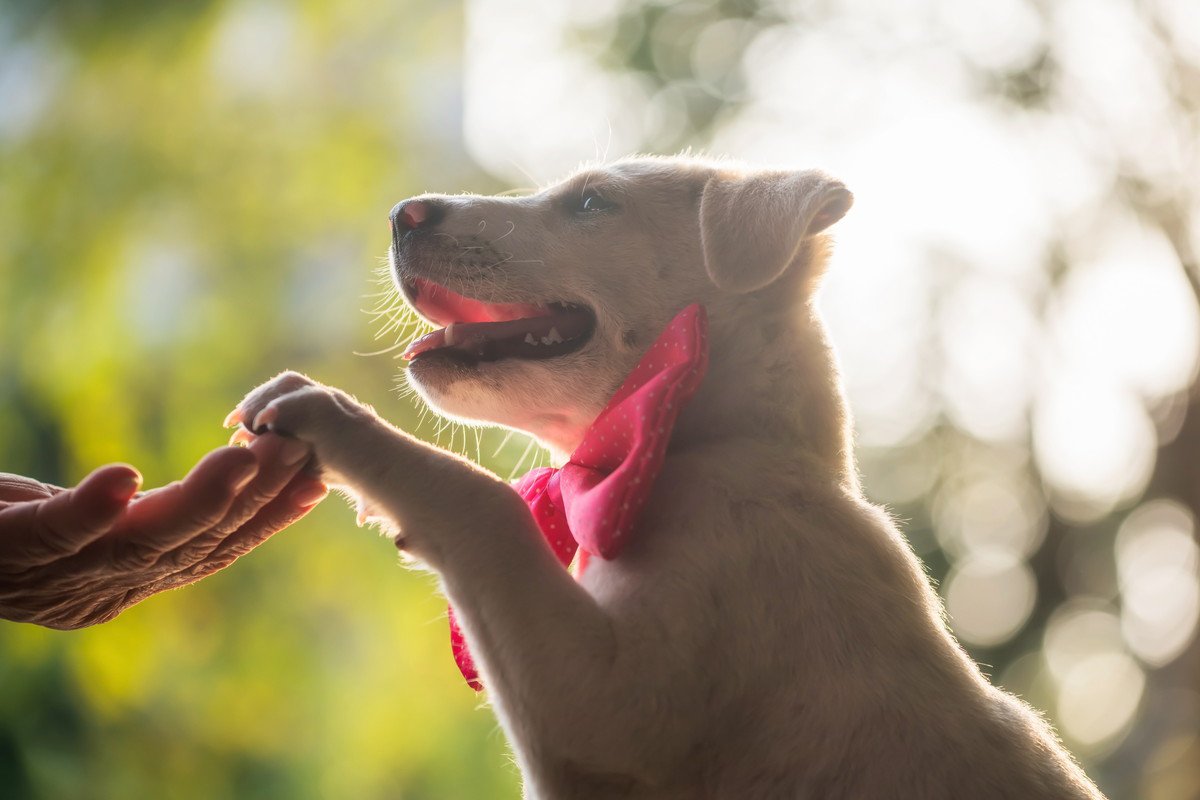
x=179 y=222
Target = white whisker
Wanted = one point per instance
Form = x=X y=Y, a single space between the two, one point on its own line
x=524 y=172
x=388 y=349
x=525 y=454
x=512 y=226
x=507 y=436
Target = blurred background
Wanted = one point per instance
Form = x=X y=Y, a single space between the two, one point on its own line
x=193 y=198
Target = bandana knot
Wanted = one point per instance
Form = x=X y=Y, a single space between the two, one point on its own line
x=591 y=504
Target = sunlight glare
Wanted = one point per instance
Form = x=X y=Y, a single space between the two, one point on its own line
x=1094 y=443
x=1098 y=699
x=989 y=596
x=1077 y=630
x=1159 y=570
x=507 y=127
x=991 y=513
x=989 y=337
x=1128 y=313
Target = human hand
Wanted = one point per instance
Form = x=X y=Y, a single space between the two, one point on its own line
x=70 y=558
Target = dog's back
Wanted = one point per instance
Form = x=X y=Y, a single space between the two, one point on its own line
x=829 y=673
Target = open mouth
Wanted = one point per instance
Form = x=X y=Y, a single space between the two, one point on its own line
x=475 y=331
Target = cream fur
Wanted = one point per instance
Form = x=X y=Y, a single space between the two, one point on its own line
x=768 y=633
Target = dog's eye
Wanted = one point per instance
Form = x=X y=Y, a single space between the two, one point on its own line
x=590 y=201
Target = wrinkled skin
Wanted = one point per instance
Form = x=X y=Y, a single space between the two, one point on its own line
x=70 y=558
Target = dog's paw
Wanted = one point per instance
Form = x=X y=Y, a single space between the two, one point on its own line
x=291 y=404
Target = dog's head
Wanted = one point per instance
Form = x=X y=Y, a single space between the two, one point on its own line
x=545 y=302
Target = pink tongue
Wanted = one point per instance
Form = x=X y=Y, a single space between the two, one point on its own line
x=444 y=306
x=430 y=341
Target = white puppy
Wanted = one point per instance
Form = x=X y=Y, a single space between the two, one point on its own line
x=767 y=633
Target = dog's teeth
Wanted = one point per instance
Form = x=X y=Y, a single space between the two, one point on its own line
x=553 y=337
x=529 y=339
x=450 y=334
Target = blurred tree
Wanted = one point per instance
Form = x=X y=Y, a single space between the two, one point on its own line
x=192 y=198
x=704 y=54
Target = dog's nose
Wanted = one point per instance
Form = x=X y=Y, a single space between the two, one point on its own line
x=411 y=215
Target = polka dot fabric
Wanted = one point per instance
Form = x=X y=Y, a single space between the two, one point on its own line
x=591 y=504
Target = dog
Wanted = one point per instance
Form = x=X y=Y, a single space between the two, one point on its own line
x=766 y=632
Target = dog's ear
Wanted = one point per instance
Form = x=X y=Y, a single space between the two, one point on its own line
x=752 y=226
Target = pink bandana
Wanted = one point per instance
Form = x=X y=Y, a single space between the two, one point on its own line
x=592 y=503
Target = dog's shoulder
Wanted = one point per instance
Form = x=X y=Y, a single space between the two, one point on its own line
x=713 y=524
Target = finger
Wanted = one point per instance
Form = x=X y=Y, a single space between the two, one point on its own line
x=279 y=460
x=18 y=488
x=301 y=495
x=40 y=532
x=168 y=517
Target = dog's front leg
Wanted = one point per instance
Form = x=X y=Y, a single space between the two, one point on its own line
x=569 y=693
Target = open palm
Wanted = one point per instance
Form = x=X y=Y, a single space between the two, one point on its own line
x=70 y=558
